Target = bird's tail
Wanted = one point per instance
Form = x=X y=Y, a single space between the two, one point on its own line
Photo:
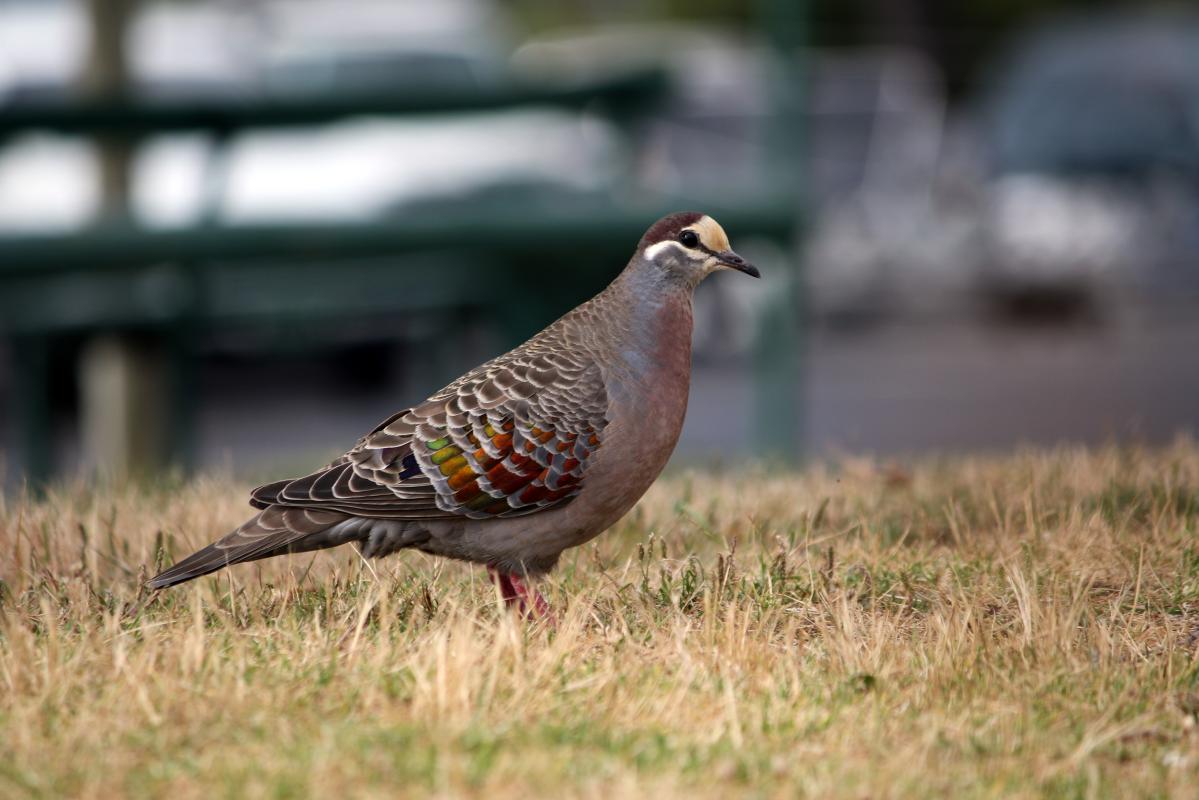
x=273 y=531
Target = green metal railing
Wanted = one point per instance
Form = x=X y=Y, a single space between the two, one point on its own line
x=621 y=96
x=172 y=285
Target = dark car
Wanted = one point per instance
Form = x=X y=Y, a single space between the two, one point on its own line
x=1092 y=133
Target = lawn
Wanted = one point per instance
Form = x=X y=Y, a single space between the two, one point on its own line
x=1023 y=625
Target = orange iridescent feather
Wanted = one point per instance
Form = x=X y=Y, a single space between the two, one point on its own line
x=500 y=478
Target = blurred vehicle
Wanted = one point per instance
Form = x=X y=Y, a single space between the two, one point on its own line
x=1075 y=177
x=1092 y=133
x=715 y=116
x=893 y=222
x=315 y=46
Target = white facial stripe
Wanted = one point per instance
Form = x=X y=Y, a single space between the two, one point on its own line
x=654 y=250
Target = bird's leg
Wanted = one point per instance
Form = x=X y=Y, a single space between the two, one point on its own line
x=516 y=591
x=507 y=590
x=532 y=603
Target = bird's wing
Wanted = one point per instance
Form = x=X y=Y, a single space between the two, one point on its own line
x=511 y=437
x=271 y=532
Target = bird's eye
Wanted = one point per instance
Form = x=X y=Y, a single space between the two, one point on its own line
x=688 y=238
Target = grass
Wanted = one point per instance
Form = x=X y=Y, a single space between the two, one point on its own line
x=1016 y=626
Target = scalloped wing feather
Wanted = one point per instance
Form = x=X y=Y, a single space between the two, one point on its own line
x=512 y=437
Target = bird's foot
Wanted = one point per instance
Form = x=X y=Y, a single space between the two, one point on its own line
x=516 y=591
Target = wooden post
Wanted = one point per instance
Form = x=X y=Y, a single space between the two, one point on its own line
x=123 y=414
x=123 y=383
x=107 y=75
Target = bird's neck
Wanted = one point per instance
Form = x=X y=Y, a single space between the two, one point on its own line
x=657 y=338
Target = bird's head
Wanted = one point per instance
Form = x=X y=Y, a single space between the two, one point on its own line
x=690 y=246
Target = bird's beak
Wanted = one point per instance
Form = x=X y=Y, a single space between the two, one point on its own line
x=733 y=261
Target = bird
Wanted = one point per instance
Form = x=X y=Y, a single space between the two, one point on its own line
x=536 y=451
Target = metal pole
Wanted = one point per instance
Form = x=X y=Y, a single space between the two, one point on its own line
x=777 y=352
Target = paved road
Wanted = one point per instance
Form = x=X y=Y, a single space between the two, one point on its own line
x=956 y=386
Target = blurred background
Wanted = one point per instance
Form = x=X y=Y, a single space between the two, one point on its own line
x=241 y=233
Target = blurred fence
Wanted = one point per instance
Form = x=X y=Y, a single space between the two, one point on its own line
x=143 y=299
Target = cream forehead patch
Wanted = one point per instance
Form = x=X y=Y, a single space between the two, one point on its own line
x=711 y=235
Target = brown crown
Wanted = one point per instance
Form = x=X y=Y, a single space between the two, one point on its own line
x=668 y=228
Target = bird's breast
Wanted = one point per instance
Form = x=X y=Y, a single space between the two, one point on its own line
x=647 y=394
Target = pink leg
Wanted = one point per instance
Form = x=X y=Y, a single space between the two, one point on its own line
x=507 y=590
x=516 y=591
x=529 y=596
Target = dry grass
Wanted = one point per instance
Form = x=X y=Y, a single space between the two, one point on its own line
x=1021 y=626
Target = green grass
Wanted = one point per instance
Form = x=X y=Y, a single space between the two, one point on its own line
x=1017 y=626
